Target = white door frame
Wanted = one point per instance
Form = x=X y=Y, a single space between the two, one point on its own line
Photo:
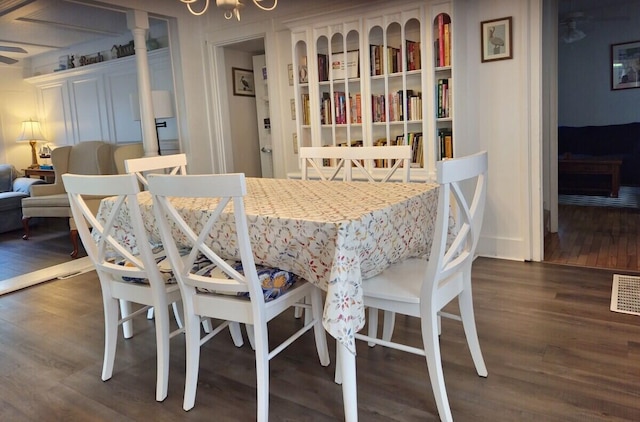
x=220 y=128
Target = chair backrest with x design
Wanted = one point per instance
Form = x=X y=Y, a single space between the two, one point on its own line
x=161 y=164
x=217 y=288
x=125 y=275
x=421 y=288
x=373 y=164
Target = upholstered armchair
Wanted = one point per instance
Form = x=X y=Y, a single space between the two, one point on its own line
x=90 y=158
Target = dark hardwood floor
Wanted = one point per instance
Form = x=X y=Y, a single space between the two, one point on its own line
x=596 y=237
x=554 y=351
x=48 y=245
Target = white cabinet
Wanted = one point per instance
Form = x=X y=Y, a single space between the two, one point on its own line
x=93 y=102
x=374 y=79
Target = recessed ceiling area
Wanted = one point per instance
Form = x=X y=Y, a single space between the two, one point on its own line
x=40 y=26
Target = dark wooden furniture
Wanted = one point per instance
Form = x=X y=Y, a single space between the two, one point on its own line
x=46 y=175
x=589 y=175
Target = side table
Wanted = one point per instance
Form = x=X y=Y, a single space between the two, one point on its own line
x=45 y=174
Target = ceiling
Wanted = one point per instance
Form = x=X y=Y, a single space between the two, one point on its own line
x=40 y=26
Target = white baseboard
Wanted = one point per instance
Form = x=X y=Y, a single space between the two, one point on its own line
x=67 y=269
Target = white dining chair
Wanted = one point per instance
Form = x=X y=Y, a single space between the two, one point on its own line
x=225 y=291
x=126 y=276
x=373 y=164
x=420 y=288
x=388 y=160
x=163 y=164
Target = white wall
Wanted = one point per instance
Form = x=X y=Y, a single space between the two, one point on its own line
x=503 y=117
x=17 y=103
x=502 y=101
x=585 y=97
x=244 y=124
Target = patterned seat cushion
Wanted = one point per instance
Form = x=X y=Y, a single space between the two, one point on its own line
x=274 y=281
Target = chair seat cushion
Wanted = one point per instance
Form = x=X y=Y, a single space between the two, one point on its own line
x=57 y=200
x=275 y=281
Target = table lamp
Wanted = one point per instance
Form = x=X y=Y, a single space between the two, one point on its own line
x=32 y=133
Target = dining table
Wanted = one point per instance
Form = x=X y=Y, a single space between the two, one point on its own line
x=333 y=234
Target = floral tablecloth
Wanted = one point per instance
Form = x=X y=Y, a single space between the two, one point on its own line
x=333 y=234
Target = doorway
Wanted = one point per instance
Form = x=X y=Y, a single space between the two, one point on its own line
x=593 y=235
x=248 y=115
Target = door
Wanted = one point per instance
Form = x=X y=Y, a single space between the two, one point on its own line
x=261 y=83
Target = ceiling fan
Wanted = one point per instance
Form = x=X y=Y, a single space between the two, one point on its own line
x=9 y=49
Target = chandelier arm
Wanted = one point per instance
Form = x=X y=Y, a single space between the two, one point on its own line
x=188 y=2
x=268 y=9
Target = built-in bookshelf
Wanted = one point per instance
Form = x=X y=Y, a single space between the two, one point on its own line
x=371 y=79
x=442 y=59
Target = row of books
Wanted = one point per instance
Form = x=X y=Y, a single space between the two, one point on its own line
x=442 y=43
x=340 y=105
x=414 y=139
x=395 y=102
x=443 y=98
x=445 y=143
x=394 y=58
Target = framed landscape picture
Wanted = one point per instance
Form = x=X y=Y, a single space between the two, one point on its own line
x=496 y=39
x=625 y=65
x=243 y=83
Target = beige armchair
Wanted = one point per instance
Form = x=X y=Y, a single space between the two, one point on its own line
x=90 y=158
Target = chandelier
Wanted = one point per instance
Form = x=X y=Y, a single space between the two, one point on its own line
x=231 y=7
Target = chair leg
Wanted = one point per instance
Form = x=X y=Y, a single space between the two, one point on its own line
x=73 y=234
x=236 y=333
x=192 y=340
x=434 y=363
x=262 y=370
x=251 y=336
x=110 y=336
x=318 y=330
x=178 y=313
x=388 y=325
x=162 y=354
x=127 y=326
x=465 y=301
x=372 y=325
x=25 y=226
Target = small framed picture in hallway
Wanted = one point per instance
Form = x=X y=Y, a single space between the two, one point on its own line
x=243 y=82
x=625 y=65
x=496 y=39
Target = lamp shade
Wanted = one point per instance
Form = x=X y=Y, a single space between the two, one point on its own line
x=162 y=105
x=31 y=131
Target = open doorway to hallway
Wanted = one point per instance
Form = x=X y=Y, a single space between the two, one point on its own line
x=248 y=107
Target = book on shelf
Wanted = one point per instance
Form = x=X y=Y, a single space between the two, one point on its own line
x=323 y=67
x=442 y=43
x=376 y=59
x=345 y=65
x=413 y=55
x=445 y=142
x=306 y=116
x=443 y=98
x=447 y=45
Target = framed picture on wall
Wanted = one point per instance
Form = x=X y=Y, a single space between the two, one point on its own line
x=243 y=82
x=496 y=39
x=625 y=65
